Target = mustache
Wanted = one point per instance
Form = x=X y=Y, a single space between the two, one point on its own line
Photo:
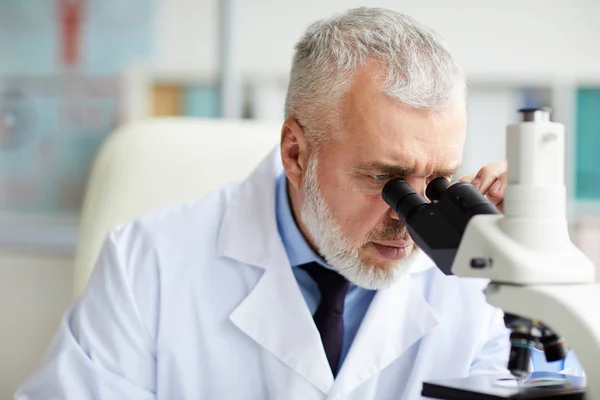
x=391 y=230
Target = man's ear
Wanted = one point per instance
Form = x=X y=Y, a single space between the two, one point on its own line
x=294 y=151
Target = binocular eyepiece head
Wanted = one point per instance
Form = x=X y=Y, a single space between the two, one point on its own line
x=437 y=222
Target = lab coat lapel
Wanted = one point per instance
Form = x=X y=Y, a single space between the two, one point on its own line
x=274 y=314
x=398 y=317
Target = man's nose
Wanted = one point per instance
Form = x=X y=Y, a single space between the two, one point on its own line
x=419 y=184
x=392 y=213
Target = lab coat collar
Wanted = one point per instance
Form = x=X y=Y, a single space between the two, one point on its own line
x=249 y=228
x=275 y=314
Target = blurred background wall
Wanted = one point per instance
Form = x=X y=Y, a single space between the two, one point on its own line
x=534 y=37
x=72 y=70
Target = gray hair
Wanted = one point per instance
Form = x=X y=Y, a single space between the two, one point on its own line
x=418 y=70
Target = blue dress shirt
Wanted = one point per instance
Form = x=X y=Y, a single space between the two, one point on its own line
x=299 y=252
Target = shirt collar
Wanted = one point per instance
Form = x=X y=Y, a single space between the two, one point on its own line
x=296 y=246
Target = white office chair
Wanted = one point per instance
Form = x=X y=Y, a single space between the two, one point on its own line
x=154 y=163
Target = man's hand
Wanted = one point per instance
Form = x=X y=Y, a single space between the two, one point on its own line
x=491 y=182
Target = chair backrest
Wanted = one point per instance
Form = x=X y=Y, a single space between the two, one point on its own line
x=154 y=163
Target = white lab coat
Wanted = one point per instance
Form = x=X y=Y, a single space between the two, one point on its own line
x=200 y=302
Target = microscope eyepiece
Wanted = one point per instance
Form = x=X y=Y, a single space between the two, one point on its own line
x=402 y=198
x=436 y=188
x=437 y=226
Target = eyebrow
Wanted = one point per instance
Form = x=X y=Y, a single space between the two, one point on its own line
x=397 y=170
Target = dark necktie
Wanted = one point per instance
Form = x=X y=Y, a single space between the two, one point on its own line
x=329 y=317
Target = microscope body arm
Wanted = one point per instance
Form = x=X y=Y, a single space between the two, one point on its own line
x=513 y=259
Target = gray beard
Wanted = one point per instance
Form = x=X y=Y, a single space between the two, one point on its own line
x=334 y=245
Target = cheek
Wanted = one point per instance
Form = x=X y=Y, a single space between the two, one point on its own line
x=357 y=214
x=367 y=218
x=355 y=210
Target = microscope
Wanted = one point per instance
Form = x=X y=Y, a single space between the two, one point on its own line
x=543 y=283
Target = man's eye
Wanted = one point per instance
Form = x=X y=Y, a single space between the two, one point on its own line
x=379 y=178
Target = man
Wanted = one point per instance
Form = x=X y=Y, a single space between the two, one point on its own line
x=237 y=296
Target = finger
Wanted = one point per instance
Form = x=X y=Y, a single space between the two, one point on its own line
x=467 y=178
x=496 y=192
x=500 y=206
x=483 y=181
x=488 y=175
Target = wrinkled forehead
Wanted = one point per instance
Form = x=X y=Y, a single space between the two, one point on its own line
x=405 y=158
x=378 y=129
